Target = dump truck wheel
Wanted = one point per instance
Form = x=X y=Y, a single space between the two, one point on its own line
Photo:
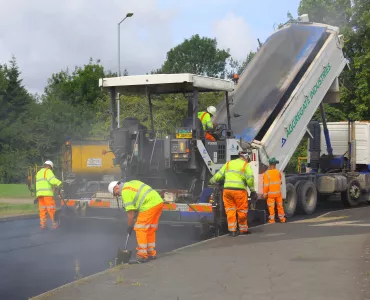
x=351 y=197
x=307 y=196
x=290 y=202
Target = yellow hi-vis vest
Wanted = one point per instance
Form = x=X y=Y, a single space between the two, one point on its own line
x=205 y=118
x=139 y=196
x=45 y=180
x=237 y=174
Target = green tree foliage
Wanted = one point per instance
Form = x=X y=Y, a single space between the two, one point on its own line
x=197 y=55
x=333 y=12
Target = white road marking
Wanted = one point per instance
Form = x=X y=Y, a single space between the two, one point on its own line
x=344 y=223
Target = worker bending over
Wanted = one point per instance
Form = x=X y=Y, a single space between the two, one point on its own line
x=140 y=198
x=272 y=191
x=238 y=175
x=45 y=180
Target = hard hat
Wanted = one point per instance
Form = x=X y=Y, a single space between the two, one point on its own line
x=212 y=110
x=111 y=186
x=49 y=163
x=273 y=161
x=244 y=154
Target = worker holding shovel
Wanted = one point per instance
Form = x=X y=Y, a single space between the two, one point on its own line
x=140 y=198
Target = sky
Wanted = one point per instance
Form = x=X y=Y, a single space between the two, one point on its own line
x=47 y=36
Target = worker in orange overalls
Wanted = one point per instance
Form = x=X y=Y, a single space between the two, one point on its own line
x=205 y=119
x=272 y=191
x=236 y=78
x=45 y=180
x=238 y=175
x=140 y=198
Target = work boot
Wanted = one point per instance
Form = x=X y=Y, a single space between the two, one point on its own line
x=55 y=225
x=138 y=260
x=233 y=233
x=152 y=257
x=271 y=221
x=283 y=220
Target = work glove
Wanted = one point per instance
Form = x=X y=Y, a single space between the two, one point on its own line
x=130 y=229
x=36 y=201
x=254 y=199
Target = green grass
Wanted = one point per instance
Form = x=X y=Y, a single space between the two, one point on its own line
x=7 y=209
x=14 y=191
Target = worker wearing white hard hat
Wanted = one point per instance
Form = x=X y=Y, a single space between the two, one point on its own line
x=140 y=198
x=237 y=175
x=205 y=117
x=45 y=181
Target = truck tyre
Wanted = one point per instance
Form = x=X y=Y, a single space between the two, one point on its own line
x=290 y=202
x=307 y=196
x=351 y=197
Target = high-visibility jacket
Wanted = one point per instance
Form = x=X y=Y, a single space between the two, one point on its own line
x=45 y=180
x=237 y=174
x=272 y=183
x=139 y=196
x=205 y=118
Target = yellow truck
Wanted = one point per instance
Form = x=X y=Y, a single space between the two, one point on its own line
x=85 y=169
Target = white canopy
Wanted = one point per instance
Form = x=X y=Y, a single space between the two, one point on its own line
x=165 y=84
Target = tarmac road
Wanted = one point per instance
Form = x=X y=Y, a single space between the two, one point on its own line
x=32 y=262
x=322 y=258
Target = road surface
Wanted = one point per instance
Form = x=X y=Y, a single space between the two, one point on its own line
x=32 y=262
x=324 y=258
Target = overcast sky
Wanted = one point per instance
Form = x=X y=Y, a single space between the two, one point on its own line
x=49 y=35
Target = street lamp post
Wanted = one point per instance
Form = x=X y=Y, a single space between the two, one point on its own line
x=129 y=15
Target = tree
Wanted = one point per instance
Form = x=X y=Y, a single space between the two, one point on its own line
x=80 y=87
x=198 y=56
x=237 y=67
x=356 y=82
x=333 y=12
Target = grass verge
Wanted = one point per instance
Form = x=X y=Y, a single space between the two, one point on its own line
x=7 y=209
x=14 y=191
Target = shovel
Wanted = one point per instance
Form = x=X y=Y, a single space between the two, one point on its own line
x=123 y=256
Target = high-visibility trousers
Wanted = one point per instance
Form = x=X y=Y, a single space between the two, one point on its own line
x=280 y=209
x=209 y=137
x=145 y=228
x=236 y=202
x=46 y=205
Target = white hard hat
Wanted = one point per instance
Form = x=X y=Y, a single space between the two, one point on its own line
x=50 y=163
x=245 y=154
x=111 y=186
x=212 y=110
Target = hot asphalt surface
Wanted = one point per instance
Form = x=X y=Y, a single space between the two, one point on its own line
x=32 y=262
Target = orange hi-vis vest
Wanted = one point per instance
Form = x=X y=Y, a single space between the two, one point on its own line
x=272 y=183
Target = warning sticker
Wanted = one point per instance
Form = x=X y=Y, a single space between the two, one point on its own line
x=94 y=162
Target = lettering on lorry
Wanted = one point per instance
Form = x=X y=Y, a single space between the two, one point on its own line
x=94 y=162
x=306 y=103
